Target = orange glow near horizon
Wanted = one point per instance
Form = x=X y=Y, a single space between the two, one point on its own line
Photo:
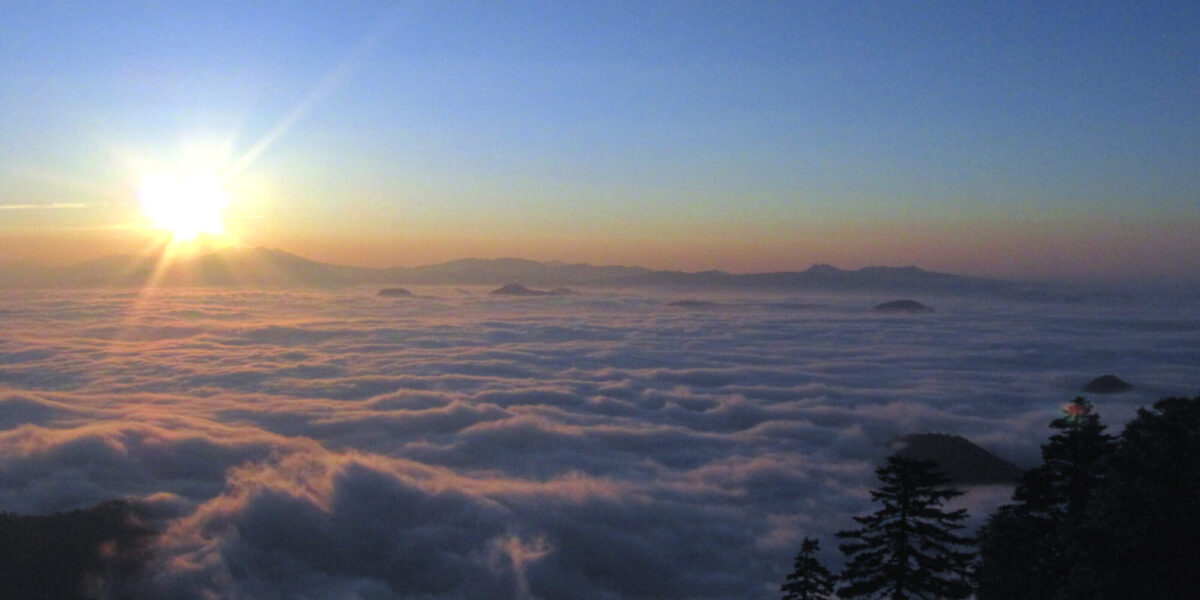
x=1057 y=250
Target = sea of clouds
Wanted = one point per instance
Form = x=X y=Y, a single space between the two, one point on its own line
x=318 y=444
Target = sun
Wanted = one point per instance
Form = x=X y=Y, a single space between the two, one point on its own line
x=187 y=207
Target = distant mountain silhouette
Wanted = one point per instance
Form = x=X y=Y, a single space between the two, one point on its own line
x=901 y=307
x=513 y=289
x=272 y=267
x=119 y=269
x=476 y=271
x=1106 y=384
x=395 y=292
x=822 y=277
x=227 y=267
x=694 y=304
x=959 y=459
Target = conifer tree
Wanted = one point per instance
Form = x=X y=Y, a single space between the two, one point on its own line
x=908 y=548
x=1023 y=550
x=809 y=579
x=1138 y=535
x=1071 y=464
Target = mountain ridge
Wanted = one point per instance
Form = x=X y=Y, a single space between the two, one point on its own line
x=273 y=267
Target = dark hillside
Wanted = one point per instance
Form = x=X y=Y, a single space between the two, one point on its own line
x=75 y=555
x=960 y=460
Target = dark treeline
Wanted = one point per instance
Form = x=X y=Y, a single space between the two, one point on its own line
x=76 y=555
x=1101 y=518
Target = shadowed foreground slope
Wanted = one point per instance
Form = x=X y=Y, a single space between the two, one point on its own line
x=75 y=555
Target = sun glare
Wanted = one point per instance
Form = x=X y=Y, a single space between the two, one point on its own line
x=185 y=206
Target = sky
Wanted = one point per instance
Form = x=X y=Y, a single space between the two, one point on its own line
x=1021 y=139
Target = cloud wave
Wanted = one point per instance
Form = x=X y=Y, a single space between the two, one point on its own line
x=604 y=445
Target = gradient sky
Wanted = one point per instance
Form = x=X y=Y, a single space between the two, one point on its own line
x=1014 y=139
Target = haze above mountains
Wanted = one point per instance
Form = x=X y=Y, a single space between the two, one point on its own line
x=264 y=267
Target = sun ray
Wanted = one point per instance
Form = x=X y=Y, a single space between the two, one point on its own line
x=330 y=82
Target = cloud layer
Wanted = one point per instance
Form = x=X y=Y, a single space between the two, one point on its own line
x=595 y=446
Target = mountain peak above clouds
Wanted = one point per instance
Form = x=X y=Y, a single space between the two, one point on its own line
x=962 y=461
x=822 y=268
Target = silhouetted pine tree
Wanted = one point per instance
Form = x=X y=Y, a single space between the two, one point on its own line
x=1137 y=538
x=1022 y=548
x=908 y=548
x=809 y=579
x=1071 y=463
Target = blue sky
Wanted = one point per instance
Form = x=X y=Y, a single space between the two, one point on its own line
x=747 y=136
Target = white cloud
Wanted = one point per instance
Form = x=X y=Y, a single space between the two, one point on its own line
x=48 y=206
x=598 y=446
